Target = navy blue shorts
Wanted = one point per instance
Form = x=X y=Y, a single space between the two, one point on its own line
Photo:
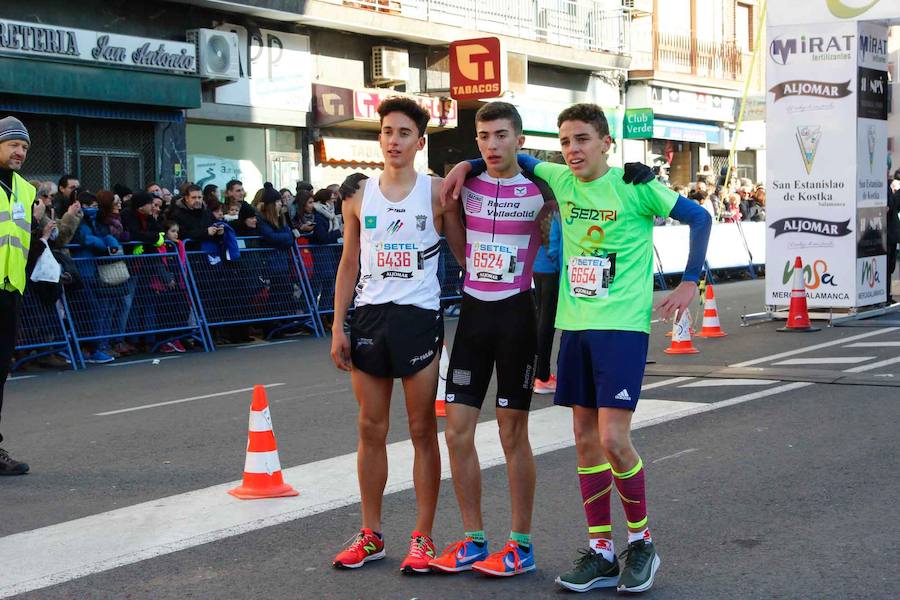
x=600 y=369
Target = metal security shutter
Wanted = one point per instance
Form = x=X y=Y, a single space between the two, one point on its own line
x=100 y=152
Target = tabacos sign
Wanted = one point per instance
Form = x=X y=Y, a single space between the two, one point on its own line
x=475 y=69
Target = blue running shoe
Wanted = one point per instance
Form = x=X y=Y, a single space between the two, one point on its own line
x=99 y=357
x=459 y=556
x=512 y=560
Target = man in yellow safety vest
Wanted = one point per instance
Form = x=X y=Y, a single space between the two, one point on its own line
x=16 y=198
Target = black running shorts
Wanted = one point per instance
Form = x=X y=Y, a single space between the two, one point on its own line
x=501 y=332
x=394 y=340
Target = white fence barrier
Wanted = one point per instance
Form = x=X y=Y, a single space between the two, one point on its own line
x=731 y=246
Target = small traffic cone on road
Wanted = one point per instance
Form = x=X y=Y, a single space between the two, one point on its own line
x=711 y=327
x=262 y=469
x=798 y=315
x=681 y=336
x=440 y=404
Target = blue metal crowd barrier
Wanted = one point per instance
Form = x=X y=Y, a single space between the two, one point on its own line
x=42 y=331
x=134 y=296
x=264 y=284
x=160 y=297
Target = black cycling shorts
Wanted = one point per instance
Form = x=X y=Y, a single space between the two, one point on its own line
x=394 y=340
x=501 y=332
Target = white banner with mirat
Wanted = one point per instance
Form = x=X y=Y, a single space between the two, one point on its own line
x=811 y=193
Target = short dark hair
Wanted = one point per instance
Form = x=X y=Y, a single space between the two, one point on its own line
x=408 y=107
x=493 y=111
x=150 y=185
x=168 y=223
x=230 y=185
x=64 y=180
x=192 y=188
x=586 y=113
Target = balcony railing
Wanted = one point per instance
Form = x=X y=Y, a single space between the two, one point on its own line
x=681 y=53
x=584 y=24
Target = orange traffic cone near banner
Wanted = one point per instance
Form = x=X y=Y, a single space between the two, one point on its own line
x=440 y=404
x=681 y=336
x=711 y=327
x=262 y=470
x=798 y=315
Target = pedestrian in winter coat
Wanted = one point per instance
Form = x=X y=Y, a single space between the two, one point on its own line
x=327 y=228
x=195 y=221
x=141 y=225
x=272 y=225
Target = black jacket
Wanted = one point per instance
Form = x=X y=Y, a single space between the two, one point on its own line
x=142 y=228
x=192 y=223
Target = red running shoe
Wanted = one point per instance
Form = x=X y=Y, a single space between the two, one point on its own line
x=421 y=552
x=364 y=547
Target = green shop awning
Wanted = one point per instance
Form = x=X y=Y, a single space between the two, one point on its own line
x=79 y=82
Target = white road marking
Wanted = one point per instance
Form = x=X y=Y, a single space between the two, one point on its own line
x=826 y=360
x=180 y=400
x=874 y=345
x=664 y=382
x=677 y=454
x=264 y=344
x=874 y=365
x=96 y=543
x=728 y=382
x=18 y=377
x=137 y=362
x=852 y=338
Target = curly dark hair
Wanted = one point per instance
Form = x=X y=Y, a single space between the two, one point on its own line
x=408 y=107
x=586 y=113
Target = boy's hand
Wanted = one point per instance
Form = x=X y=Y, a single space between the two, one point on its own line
x=340 y=348
x=678 y=301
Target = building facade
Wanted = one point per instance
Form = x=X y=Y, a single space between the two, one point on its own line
x=691 y=61
x=285 y=90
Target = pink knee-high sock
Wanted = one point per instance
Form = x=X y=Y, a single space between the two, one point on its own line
x=596 y=486
x=630 y=485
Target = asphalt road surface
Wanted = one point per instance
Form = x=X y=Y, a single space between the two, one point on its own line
x=772 y=465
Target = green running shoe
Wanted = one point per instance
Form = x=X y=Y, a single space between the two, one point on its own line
x=591 y=571
x=641 y=563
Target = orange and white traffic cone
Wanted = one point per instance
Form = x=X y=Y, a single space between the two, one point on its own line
x=798 y=315
x=262 y=470
x=711 y=327
x=681 y=336
x=440 y=404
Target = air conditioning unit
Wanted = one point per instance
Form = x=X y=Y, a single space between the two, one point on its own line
x=389 y=65
x=218 y=56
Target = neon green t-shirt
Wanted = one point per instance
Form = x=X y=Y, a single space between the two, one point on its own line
x=607 y=237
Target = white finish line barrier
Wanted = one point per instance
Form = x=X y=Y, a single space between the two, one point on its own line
x=731 y=246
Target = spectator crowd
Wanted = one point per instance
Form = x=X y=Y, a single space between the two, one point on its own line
x=71 y=223
x=741 y=200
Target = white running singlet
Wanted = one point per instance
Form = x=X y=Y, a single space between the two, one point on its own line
x=399 y=248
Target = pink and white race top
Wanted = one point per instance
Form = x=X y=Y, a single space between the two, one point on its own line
x=502 y=234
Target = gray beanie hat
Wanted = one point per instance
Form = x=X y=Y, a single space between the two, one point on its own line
x=12 y=129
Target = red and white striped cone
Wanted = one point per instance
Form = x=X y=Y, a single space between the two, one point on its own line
x=798 y=315
x=262 y=469
x=681 y=336
x=711 y=327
